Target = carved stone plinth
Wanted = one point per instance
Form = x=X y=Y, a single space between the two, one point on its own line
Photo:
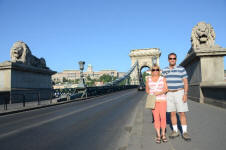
x=24 y=81
x=204 y=64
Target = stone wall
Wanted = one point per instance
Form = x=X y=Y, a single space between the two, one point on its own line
x=214 y=93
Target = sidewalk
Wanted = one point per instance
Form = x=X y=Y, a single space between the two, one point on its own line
x=206 y=125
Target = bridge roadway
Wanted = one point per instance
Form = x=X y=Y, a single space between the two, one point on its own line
x=98 y=124
x=116 y=121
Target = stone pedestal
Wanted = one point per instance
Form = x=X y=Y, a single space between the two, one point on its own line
x=25 y=82
x=205 y=68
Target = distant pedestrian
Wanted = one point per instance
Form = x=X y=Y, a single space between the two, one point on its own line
x=177 y=82
x=156 y=85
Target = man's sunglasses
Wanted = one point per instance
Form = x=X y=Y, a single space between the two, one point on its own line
x=154 y=70
x=172 y=58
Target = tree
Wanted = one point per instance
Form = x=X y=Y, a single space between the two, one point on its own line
x=105 y=78
x=76 y=81
x=144 y=74
x=64 y=79
x=88 y=78
x=91 y=82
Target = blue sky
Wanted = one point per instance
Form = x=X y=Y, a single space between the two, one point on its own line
x=102 y=32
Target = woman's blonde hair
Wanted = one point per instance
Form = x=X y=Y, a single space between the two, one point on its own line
x=157 y=67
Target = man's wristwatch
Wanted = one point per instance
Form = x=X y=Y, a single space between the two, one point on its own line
x=185 y=93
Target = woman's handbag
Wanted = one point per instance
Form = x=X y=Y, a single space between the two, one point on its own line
x=150 y=102
x=151 y=99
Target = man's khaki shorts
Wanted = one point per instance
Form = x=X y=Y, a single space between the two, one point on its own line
x=175 y=102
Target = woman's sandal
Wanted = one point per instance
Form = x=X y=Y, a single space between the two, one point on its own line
x=158 y=140
x=164 y=139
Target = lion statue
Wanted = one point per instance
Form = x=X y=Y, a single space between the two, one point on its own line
x=202 y=35
x=21 y=53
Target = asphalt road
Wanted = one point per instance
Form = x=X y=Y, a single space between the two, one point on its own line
x=95 y=124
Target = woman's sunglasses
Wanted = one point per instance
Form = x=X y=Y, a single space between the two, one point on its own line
x=154 y=70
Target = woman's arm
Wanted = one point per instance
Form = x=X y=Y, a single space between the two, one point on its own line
x=165 y=89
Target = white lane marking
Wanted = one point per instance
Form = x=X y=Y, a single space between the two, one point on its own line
x=58 y=117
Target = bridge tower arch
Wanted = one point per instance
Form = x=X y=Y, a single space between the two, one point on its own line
x=144 y=57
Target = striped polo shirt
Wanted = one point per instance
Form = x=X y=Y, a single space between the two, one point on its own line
x=174 y=77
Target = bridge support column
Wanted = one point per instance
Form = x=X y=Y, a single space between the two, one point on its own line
x=144 y=59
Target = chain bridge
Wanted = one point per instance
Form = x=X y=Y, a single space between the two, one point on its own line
x=112 y=116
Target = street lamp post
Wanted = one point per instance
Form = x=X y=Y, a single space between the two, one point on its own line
x=81 y=67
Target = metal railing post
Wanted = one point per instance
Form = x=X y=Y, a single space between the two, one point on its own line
x=51 y=98
x=23 y=100
x=5 y=103
x=38 y=98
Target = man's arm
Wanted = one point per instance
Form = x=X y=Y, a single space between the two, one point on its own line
x=185 y=97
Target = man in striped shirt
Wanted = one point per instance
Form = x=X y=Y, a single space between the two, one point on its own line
x=177 y=82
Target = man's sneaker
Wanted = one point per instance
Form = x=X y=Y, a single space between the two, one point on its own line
x=186 y=136
x=174 y=134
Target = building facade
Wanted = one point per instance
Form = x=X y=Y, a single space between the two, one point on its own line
x=75 y=74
